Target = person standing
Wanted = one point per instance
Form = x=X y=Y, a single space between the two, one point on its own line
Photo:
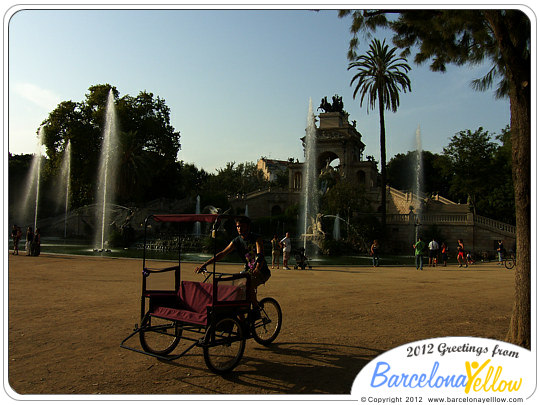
x=433 y=251
x=419 y=247
x=36 y=244
x=29 y=241
x=16 y=236
x=500 y=252
x=286 y=245
x=375 y=253
x=461 y=254
x=444 y=253
x=276 y=248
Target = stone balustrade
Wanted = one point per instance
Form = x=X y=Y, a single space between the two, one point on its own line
x=451 y=219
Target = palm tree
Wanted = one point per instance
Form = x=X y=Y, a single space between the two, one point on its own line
x=380 y=74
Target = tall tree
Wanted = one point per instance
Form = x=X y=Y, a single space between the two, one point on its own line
x=148 y=142
x=470 y=37
x=380 y=75
x=471 y=156
x=499 y=203
x=435 y=179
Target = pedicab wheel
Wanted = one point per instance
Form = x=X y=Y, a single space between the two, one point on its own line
x=224 y=345
x=159 y=336
x=266 y=329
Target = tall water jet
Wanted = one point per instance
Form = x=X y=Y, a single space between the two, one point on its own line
x=197 y=226
x=65 y=175
x=34 y=180
x=310 y=204
x=419 y=177
x=337 y=228
x=107 y=172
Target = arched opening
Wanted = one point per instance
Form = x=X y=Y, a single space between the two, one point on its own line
x=328 y=160
x=276 y=210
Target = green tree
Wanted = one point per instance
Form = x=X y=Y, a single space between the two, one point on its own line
x=148 y=118
x=18 y=167
x=379 y=77
x=469 y=37
x=435 y=176
x=345 y=200
x=471 y=163
x=498 y=202
x=148 y=144
x=135 y=168
x=238 y=179
x=70 y=122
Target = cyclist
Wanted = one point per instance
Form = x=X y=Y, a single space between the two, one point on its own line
x=249 y=246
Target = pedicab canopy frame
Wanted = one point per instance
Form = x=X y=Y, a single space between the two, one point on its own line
x=214 y=219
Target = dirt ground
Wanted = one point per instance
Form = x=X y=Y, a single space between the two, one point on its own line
x=68 y=314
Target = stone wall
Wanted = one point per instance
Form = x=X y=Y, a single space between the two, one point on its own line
x=479 y=234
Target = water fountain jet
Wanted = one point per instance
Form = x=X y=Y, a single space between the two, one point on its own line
x=418 y=181
x=337 y=229
x=107 y=172
x=197 y=226
x=34 y=180
x=65 y=175
x=310 y=205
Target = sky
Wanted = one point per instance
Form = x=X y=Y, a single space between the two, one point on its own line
x=238 y=82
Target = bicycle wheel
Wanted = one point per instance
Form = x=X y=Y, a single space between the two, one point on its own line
x=224 y=345
x=159 y=336
x=509 y=262
x=266 y=329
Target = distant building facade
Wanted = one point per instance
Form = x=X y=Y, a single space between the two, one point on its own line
x=340 y=151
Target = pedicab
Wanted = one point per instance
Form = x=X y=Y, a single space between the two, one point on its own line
x=215 y=314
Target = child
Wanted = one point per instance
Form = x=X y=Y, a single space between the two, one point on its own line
x=469 y=258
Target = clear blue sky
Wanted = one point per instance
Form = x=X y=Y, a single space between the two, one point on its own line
x=238 y=82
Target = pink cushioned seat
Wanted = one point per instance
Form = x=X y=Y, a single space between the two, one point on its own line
x=194 y=298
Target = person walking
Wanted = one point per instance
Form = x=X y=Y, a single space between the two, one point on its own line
x=419 y=247
x=276 y=248
x=375 y=253
x=461 y=254
x=286 y=245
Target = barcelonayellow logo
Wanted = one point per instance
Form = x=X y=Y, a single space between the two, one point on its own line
x=456 y=365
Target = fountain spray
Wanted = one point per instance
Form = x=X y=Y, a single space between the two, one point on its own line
x=34 y=179
x=310 y=206
x=419 y=179
x=66 y=175
x=107 y=170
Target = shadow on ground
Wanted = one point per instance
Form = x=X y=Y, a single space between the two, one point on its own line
x=304 y=368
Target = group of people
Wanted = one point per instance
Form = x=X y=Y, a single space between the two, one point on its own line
x=436 y=251
x=284 y=245
x=33 y=240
